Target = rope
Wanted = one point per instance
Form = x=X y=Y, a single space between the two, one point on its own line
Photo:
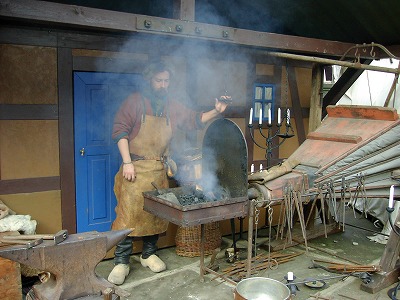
x=369 y=89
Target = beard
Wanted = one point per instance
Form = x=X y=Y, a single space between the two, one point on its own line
x=160 y=93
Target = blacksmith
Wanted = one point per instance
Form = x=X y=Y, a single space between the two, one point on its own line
x=142 y=129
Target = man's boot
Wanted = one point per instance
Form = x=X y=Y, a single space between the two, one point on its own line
x=118 y=274
x=148 y=257
x=121 y=269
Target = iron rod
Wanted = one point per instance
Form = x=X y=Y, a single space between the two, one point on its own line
x=333 y=62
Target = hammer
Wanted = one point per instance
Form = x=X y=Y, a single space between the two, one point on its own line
x=57 y=238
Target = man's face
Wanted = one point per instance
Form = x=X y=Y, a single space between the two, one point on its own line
x=160 y=83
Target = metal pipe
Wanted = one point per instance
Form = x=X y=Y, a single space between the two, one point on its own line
x=328 y=61
x=250 y=237
x=253 y=193
x=366 y=229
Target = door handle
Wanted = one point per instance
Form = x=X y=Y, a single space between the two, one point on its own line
x=82 y=152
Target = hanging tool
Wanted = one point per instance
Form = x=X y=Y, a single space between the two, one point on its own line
x=361 y=274
x=315 y=284
x=57 y=238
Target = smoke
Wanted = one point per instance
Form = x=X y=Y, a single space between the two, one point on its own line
x=203 y=70
x=209 y=179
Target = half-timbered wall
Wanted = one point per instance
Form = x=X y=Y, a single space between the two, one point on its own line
x=36 y=104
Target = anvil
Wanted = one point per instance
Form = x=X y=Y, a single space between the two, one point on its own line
x=71 y=264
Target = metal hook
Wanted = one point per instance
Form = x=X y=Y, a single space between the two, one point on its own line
x=372 y=52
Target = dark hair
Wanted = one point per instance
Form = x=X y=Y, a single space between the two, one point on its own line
x=156 y=67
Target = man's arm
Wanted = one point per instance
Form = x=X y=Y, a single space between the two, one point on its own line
x=220 y=106
x=128 y=170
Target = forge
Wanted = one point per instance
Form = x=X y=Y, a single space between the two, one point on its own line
x=224 y=168
x=224 y=176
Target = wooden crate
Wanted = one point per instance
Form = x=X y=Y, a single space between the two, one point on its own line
x=10 y=280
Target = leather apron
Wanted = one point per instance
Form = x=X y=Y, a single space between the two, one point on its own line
x=151 y=143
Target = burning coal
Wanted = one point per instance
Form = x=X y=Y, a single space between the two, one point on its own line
x=199 y=195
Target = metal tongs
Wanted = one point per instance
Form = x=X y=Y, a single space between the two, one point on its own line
x=225 y=98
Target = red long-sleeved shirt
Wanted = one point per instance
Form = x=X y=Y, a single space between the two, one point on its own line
x=128 y=119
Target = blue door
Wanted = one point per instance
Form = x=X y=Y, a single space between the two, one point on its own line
x=97 y=97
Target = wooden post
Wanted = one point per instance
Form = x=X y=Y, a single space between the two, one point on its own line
x=184 y=10
x=10 y=278
x=296 y=105
x=389 y=265
x=316 y=98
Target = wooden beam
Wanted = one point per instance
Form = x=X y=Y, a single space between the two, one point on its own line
x=77 y=17
x=29 y=185
x=363 y=112
x=184 y=10
x=296 y=105
x=27 y=36
x=251 y=77
x=66 y=136
x=392 y=88
x=341 y=138
x=389 y=264
x=28 y=112
x=316 y=98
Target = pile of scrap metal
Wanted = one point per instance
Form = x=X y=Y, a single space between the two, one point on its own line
x=351 y=159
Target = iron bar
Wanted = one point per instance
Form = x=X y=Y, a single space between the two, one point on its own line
x=328 y=61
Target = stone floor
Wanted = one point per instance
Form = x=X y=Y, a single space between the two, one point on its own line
x=182 y=279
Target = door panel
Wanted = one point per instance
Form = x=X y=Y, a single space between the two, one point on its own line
x=97 y=97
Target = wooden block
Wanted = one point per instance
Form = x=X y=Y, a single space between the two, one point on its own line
x=10 y=280
x=362 y=112
x=342 y=138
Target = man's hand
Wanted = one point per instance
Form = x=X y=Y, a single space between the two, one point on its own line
x=227 y=99
x=128 y=171
x=222 y=103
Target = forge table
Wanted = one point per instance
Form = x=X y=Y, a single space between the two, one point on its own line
x=194 y=214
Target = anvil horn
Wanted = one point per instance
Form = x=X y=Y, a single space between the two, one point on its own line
x=114 y=237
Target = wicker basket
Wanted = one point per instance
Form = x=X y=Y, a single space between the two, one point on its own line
x=188 y=239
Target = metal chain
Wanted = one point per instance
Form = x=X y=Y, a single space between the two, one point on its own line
x=364 y=195
x=332 y=198
x=343 y=201
x=270 y=212
x=256 y=218
x=256 y=215
x=274 y=265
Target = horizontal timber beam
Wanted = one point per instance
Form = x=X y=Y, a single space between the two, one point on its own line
x=29 y=185
x=72 y=16
x=28 y=112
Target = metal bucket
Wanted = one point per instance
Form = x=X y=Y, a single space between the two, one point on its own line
x=261 y=288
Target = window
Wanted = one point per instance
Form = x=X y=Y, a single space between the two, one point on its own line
x=264 y=98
